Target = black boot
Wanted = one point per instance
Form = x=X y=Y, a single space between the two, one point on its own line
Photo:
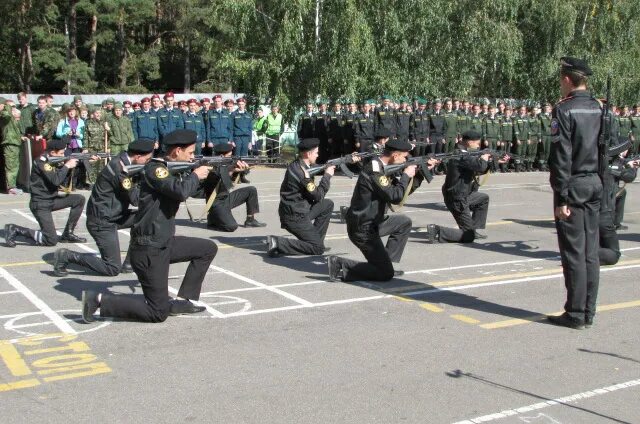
x=12 y=231
x=126 y=268
x=69 y=237
x=61 y=259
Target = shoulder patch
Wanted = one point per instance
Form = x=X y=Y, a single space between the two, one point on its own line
x=554 y=127
x=161 y=172
x=383 y=180
x=311 y=186
x=48 y=167
x=126 y=183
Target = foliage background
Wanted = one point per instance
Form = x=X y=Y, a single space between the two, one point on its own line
x=288 y=50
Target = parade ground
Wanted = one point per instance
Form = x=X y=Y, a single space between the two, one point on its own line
x=459 y=338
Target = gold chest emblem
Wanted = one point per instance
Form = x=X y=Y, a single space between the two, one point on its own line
x=126 y=183
x=383 y=180
x=162 y=172
x=311 y=186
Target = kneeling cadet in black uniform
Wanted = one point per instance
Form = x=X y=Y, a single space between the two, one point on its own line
x=107 y=212
x=219 y=216
x=366 y=220
x=154 y=244
x=468 y=207
x=45 y=179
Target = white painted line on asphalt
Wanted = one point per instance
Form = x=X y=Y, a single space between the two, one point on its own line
x=551 y=402
x=9 y=292
x=37 y=302
x=265 y=286
x=304 y=283
x=32 y=219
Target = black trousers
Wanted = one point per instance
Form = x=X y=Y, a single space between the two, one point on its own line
x=105 y=234
x=578 y=240
x=220 y=217
x=368 y=238
x=620 y=199
x=310 y=231
x=470 y=214
x=42 y=212
x=609 y=252
x=151 y=265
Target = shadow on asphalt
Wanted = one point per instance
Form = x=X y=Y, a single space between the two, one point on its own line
x=74 y=286
x=614 y=355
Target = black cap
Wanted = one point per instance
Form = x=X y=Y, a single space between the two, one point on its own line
x=383 y=133
x=471 y=135
x=222 y=148
x=307 y=144
x=57 y=143
x=399 y=145
x=180 y=138
x=573 y=64
x=141 y=146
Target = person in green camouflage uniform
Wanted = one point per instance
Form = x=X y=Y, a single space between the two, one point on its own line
x=463 y=121
x=508 y=135
x=94 y=137
x=522 y=140
x=451 y=133
x=534 y=138
x=45 y=119
x=120 y=131
x=545 y=135
x=26 y=115
x=12 y=138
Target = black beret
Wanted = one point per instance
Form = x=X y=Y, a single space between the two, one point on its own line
x=575 y=65
x=141 y=145
x=399 y=145
x=222 y=147
x=180 y=138
x=57 y=143
x=471 y=135
x=307 y=144
x=383 y=133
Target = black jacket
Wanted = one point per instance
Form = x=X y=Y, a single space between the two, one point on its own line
x=299 y=192
x=461 y=176
x=45 y=180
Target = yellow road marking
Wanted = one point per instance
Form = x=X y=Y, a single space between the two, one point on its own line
x=431 y=307
x=9 y=264
x=13 y=360
x=404 y=299
x=541 y=317
x=465 y=318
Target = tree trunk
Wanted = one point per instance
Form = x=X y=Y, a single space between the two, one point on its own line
x=93 y=48
x=187 y=66
x=122 y=52
x=73 y=30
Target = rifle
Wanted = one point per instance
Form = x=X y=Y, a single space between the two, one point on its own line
x=604 y=135
x=419 y=161
x=341 y=163
x=78 y=156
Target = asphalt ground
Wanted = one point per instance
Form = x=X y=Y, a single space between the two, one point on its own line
x=459 y=338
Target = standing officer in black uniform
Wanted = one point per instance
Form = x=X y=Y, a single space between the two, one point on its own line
x=44 y=182
x=107 y=212
x=303 y=210
x=437 y=127
x=365 y=128
x=420 y=127
x=577 y=190
x=154 y=245
x=219 y=216
x=366 y=220
x=460 y=190
x=385 y=117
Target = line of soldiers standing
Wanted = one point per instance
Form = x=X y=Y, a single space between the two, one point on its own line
x=437 y=126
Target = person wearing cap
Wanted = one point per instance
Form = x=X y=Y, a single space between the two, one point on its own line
x=306 y=122
x=45 y=179
x=154 y=245
x=169 y=119
x=367 y=221
x=335 y=130
x=349 y=127
x=258 y=131
x=624 y=122
x=145 y=122
x=230 y=105
x=107 y=212
x=220 y=124
x=136 y=106
x=11 y=141
x=461 y=197
x=521 y=144
x=184 y=107
x=193 y=121
x=437 y=127
x=577 y=191
x=156 y=103
x=303 y=209
x=534 y=137
x=219 y=216
x=491 y=128
x=120 y=131
x=545 y=136
x=205 y=104
x=404 y=131
x=635 y=129
x=95 y=131
x=127 y=109
x=419 y=124
x=451 y=133
x=77 y=102
x=321 y=131
x=462 y=125
x=365 y=128
x=385 y=117
x=242 y=127
x=508 y=135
